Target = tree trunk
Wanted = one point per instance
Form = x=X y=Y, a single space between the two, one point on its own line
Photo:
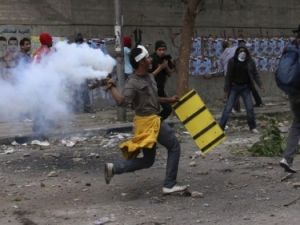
x=190 y=13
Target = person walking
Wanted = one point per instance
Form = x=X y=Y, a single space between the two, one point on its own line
x=140 y=93
x=241 y=75
x=294 y=133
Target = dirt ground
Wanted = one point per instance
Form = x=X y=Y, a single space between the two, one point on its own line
x=60 y=185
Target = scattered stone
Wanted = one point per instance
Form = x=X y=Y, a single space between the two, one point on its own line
x=14 y=143
x=91 y=155
x=53 y=174
x=9 y=151
x=42 y=185
x=296 y=185
x=17 y=199
x=40 y=143
x=197 y=154
x=157 y=200
x=26 y=221
x=206 y=205
x=246 y=218
x=68 y=143
x=202 y=173
x=78 y=139
x=192 y=164
x=54 y=155
x=105 y=220
x=196 y=194
x=227 y=170
x=77 y=159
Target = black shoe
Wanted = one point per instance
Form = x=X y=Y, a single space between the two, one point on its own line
x=259 y=105
x=284 y=164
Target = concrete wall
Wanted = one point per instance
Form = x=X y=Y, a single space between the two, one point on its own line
x=158 y=19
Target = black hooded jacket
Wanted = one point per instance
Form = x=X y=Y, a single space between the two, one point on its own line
x=235 y=67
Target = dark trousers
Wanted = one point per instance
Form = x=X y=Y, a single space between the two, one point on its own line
x=167 y=138
x=82 y=98
x=235 y=92
x=256 y=96
x=294 y=133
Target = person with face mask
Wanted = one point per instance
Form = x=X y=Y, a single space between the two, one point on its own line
x=240 y=78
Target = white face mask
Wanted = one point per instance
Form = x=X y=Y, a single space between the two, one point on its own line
x=242 y=56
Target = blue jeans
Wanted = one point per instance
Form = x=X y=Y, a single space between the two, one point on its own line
x=245 y=92
x=167 y=138
x=294 y=133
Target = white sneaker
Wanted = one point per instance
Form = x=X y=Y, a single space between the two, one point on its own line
x=287 y=167
x=254 y=131
x=175 y=188
x=108 y=172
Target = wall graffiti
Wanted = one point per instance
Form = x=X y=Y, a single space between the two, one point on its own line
x=9 y=47
x=204 y=58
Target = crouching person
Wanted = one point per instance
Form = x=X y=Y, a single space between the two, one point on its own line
x=140 y=93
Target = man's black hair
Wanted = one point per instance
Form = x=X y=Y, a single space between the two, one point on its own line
x=2 y=39
x=225 y=45
x=134 y=53
x=160 y=44
x=241 y=42
x=12 y=39
x=23 y=40
x=79 y=38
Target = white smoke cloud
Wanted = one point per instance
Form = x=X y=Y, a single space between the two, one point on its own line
x=46 y=87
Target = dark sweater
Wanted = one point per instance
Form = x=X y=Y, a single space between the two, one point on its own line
x=240 y=73
x=252 y=74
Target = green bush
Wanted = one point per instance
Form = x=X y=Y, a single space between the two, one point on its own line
x=270 y=143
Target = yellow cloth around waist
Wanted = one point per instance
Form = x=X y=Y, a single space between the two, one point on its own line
x=146 y=129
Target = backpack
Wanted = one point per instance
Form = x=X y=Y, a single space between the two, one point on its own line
x=288 y=73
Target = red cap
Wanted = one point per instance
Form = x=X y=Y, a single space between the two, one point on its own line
x=127 y=41
x=45 y=39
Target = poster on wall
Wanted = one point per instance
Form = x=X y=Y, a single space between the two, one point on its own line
x=206 y=52
x=10 y=37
